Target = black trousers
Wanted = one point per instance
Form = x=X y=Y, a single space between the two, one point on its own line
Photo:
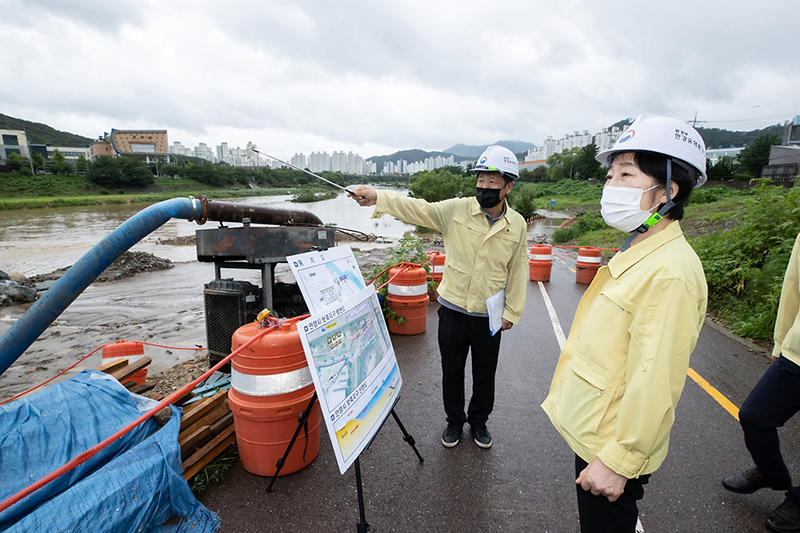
x=774 y=400
x=458 y=333
x=599 y=515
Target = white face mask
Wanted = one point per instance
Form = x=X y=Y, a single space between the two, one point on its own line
x=621 y=207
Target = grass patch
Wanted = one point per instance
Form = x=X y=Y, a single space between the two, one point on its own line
x=215 y=470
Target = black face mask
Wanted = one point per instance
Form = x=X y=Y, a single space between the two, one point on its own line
x=488 y=198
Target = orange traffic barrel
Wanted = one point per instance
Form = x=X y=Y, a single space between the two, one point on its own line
x=587 y=265
x=437 y=260
x=407 y=295
x=271 y=386
x=132 y=350
x=437 y=270
x=540 y=262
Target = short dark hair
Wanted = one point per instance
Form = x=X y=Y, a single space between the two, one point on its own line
x=655 y=165
x=506 y=176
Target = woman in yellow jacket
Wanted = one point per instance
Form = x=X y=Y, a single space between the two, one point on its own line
x=623 y=367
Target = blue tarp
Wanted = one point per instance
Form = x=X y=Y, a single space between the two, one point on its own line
x=136 y=484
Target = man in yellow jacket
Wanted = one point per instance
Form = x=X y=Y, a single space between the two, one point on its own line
x=774 y=400
x=485 y=248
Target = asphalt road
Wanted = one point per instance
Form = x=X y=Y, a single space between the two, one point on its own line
x=525 y=482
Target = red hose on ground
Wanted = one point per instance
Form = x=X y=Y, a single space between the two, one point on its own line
x=88 y=454
x=408 y=265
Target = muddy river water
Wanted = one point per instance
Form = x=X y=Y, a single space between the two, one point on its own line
x=164 y=307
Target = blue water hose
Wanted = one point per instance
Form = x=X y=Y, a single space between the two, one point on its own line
x=64 y=291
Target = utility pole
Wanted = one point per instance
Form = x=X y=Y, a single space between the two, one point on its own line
x=694 y=122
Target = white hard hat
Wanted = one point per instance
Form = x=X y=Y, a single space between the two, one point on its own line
x=668 y=136
x=500 y=159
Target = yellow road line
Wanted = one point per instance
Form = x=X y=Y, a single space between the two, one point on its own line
x=714 y=393
x=571 y=269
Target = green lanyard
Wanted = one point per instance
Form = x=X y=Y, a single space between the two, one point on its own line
x=656 y=217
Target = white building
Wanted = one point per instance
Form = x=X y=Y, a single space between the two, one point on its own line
x=204 y=152
x=223 y=152
x=178 y=149
x=715 y=154
x=70 y=153
x=13 y=142
x=319 y=162
x=299 y=160
x=571 y=140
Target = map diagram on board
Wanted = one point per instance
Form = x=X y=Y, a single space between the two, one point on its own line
x=354 y=369
x=326 y=278
x=347 y=351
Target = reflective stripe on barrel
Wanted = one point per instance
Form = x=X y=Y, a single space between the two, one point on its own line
x=588 y=258
x=408 y=290
x=270 y=384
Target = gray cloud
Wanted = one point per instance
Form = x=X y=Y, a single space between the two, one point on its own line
x=381 y=76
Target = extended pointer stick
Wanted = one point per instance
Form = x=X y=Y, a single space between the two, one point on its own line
x=307 y=172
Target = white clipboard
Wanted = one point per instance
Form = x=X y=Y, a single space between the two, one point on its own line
x=495 y=306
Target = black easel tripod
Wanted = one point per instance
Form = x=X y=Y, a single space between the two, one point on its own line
x=302 y=423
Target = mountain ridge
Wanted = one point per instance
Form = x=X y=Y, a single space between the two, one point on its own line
x=474 y=151
x=39 y=133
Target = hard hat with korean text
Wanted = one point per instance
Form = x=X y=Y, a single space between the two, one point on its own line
x=663 y=135
x=500 y=159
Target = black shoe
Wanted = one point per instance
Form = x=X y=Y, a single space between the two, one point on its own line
x=451 y=435
x=785 y=518
x=482 y=436
x=751 y=480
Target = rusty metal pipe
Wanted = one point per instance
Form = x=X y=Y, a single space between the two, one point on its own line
x=258 y=214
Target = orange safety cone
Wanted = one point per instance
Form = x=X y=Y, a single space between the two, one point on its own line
x=540 y=262
x=587 y=265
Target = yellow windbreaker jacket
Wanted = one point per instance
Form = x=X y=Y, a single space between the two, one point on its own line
x=479 y=260
x=787 y=325
x=623 y=367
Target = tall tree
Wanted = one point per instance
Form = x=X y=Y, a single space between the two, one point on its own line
x=562 y=165
x=723 y=170
x=60 y=165
x=756 y=155
x=437 y=186
x=81 y=164
x=586 y=165
x=120 y=172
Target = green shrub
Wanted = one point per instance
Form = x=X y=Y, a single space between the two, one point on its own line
x=745 y=264
x=408 y=250
x=313 y=195
x=707 y=195
x=584 y=224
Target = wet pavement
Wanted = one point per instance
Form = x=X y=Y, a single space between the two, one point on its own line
x=525 y=482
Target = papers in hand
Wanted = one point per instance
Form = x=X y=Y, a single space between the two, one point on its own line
x=495 y=306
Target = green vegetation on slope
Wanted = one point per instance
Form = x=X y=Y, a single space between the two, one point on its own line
x=42 y=133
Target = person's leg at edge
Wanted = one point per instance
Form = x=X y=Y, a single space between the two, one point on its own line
x=598 y=515
x=453 y=347
x=485 y=352
x=773 y=401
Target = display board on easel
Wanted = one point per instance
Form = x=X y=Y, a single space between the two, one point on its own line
x=348 y=348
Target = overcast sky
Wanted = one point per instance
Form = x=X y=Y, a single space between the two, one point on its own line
x=377 y=76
